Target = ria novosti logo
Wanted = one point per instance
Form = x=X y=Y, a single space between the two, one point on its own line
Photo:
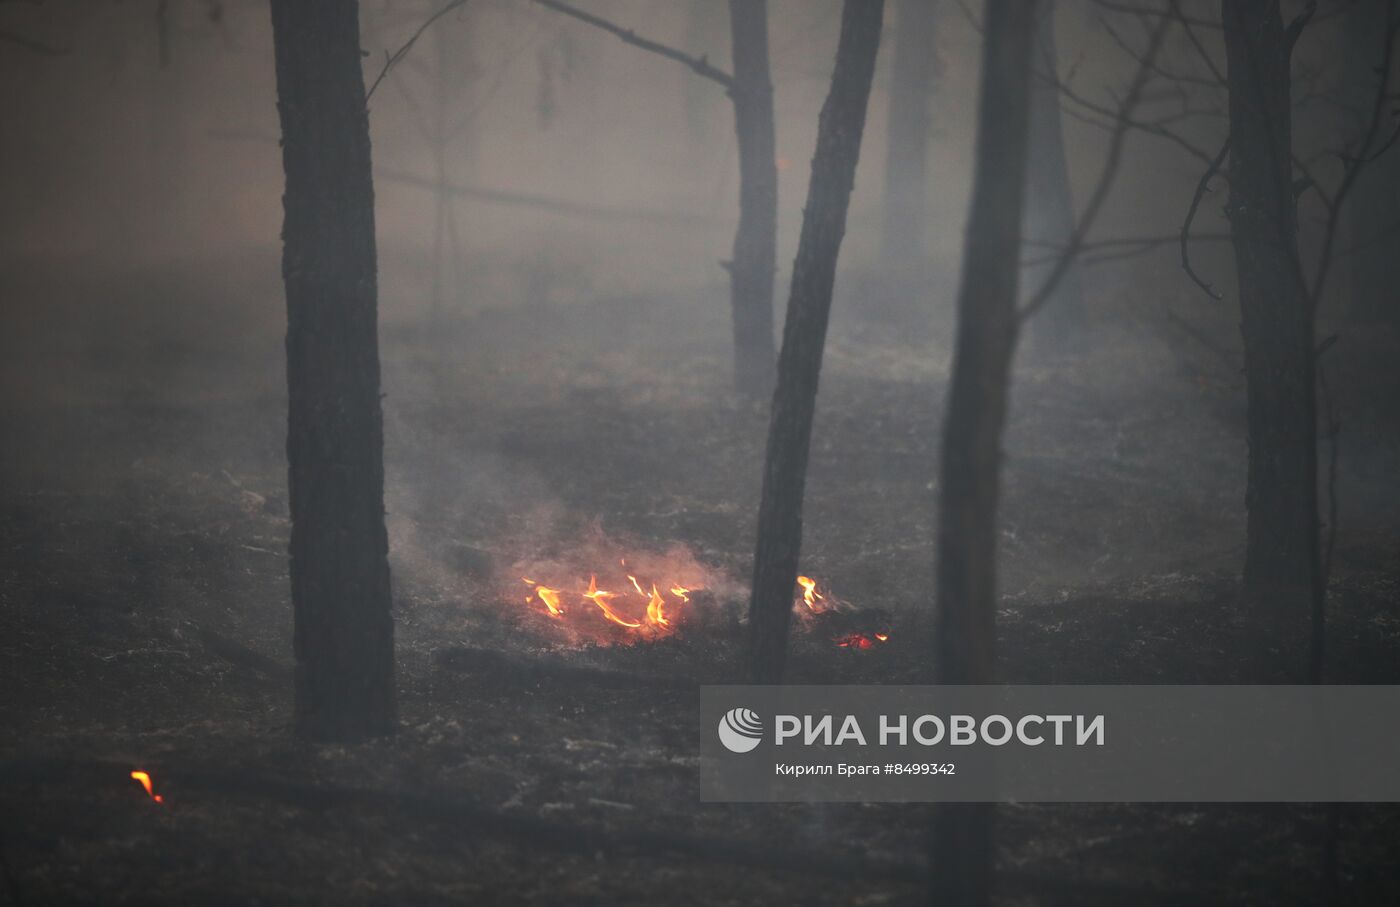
x=740 y=730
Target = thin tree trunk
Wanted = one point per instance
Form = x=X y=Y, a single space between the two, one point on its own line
x=912 y=78
x=344 y=634
x=1373 y=206
x=756 y=240
x=1281 y=569
x=804 y=334
x=972 y=431
x=1049 y=219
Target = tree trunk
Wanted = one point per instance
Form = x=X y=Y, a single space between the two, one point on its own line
x=804 y=334
x=914 y=72
x=344 y=634
x=756 y=240
x=972 y=430
x=1049 y=219
x=1281 y=569
x=1373 y=206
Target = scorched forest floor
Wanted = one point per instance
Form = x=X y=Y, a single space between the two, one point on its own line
x=145 y=622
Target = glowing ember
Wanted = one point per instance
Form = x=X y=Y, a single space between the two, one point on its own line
x=861 y=640
x=145 y=780
x=825 y=612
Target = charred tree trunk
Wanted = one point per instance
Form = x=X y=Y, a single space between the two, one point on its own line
x=915 y=70
x=756 y=240
x=1281 y=569
x=1049 y=217
x=344 y=635
x=804 y=335
x=972 y=429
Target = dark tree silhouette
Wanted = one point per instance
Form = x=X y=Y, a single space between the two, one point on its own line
x=344 y=634
x=972 y=430
x=1049 y=218
x=756 y=240
x=1282 y=557
x=839 y=132
x=1374 y=212
x=912 y=77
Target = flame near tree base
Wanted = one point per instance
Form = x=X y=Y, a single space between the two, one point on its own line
x=614 y=599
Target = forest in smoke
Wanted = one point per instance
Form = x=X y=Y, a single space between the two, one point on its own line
x=408 y=405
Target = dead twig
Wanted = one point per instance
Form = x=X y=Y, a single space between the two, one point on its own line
x=1123 y=122
x=390 y=60
x=1355 y=163
x=1202 y=187
x=700 y=65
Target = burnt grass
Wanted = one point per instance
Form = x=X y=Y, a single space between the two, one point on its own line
x=145 y=622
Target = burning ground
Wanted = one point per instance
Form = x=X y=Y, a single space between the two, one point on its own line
x=544 y=758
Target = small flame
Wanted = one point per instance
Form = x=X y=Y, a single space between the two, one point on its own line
x=656 y=608
x=550 y=597
x=810 y=595
x=593 y=589
x=145 y=779
x=600 y=598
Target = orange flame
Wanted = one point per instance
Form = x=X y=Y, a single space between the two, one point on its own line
x=810 y=595
x=550 y=597
x=600 y=598
x=145 y=780
x=658 y=617
x=656 y=606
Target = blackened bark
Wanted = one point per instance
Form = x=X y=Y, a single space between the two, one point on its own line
x=1281 y=569
x=344 y=634
x=755 y=242
x=839 y=133
x=1049 y=219
x=913 y=74
x=965 y=650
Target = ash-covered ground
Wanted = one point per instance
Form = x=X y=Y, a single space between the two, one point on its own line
x=145 y=621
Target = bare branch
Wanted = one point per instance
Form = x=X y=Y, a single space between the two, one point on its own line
x=1359 y=160
x=699 y=64
x=557 y=206
x=1202 y=188
x=1115 y=119
x=391 y=59
x=1123 y=122
x=1146 y=11
x=1206 y=58
x=1215 y=81
x=1115 y=248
